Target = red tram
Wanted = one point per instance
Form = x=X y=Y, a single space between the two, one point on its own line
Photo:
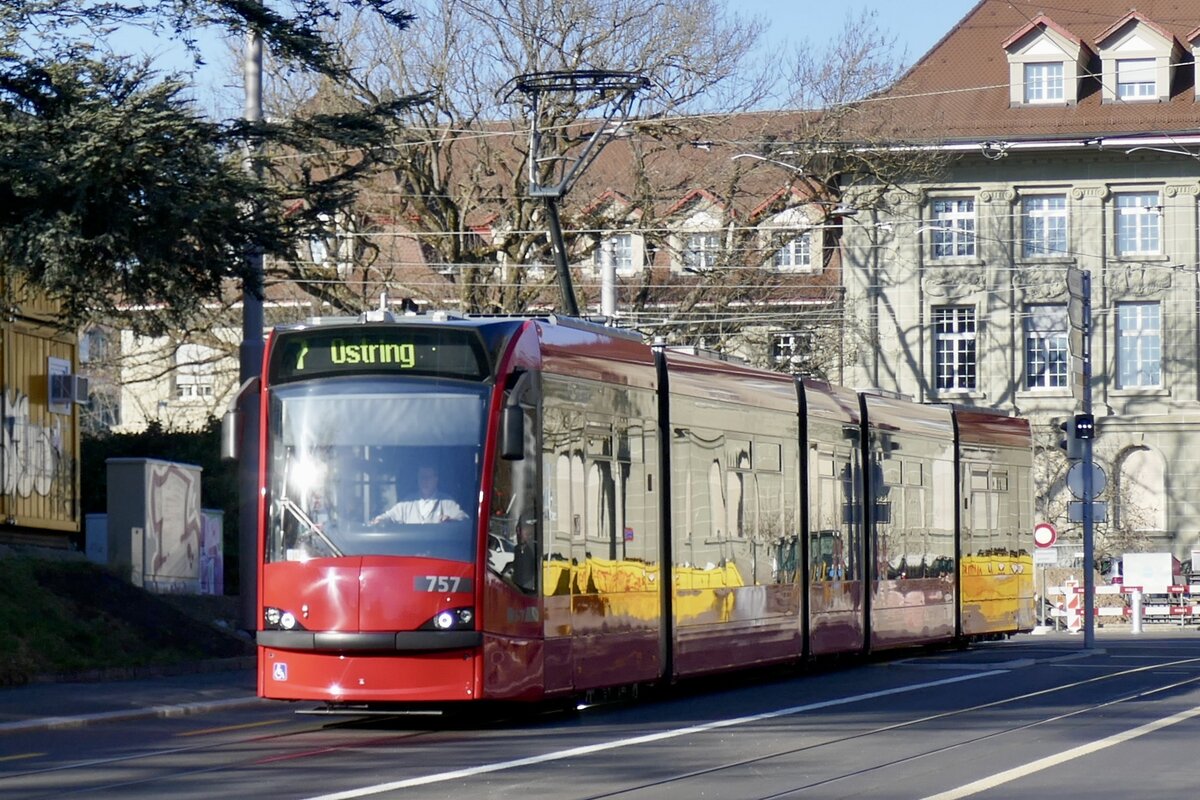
x=521 y=509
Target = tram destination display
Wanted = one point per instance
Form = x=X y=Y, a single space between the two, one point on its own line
x=317 y=353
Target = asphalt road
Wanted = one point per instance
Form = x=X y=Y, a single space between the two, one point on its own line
x=1031 y=717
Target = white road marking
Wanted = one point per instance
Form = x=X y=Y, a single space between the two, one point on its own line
x=1000 y=778
x=599 y=747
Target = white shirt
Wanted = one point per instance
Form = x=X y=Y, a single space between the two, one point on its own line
x=425 y=509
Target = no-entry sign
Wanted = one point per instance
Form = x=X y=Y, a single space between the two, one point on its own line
x=1044 y=534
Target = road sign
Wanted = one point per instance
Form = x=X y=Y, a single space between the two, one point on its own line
x=1078 y=472
x=1044 y=534
x=1045 y=556
x=1099 y=511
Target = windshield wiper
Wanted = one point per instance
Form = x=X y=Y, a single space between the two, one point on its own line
x=312 y=527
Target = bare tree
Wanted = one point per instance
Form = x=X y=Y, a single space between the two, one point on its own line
x=452 y=223
x=456 y=198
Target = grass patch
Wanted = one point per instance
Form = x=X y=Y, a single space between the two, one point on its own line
x=72 y=616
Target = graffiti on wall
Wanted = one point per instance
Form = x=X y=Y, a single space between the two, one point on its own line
x=173 y=529
x=30 y=454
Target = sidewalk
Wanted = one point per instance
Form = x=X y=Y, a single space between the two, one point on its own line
x=198 y=688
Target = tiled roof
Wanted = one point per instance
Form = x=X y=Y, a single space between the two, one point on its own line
x=1134 y=14
x=960 y=89
x=1038 y=21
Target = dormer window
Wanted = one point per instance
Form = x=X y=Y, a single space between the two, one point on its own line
x=1135 y=78
x=700 y=251
x=1044 y=82
x=622 y=248
x=1046 y=63
x=1138 y=59
x=1193 y=39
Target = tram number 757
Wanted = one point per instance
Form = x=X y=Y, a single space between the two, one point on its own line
x=441 y=583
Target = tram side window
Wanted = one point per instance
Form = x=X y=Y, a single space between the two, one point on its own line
x=601 y=509
x=699 y=519
x=639 y=490
x=981 y=510
x=1002 y=518
x=833 y=517
x=514 y=543
x=562 y=442
x=619 y=511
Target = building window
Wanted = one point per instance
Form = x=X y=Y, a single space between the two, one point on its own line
x=195 y=371
x=1046 y=349
x=953 y=228
x=1135 y=78
x=622 y=252
x=792 y=351
x=93 y=346
x=700 y=251
x=1044 y=225
x=1139 y=222
x=954 y=347
x=796 y=254
x=1044 y=82
x=1139 y=345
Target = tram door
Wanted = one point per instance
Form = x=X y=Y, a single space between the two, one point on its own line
x=601 y=578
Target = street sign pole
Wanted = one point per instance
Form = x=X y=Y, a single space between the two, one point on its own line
x=1079 y=287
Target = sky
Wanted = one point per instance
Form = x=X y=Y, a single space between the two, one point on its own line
x=916 y=24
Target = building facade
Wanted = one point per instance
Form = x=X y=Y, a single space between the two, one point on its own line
x=39 y=404
x=1073 y=146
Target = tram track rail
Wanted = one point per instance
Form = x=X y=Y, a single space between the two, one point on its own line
x=323 y=744
x=925 y=720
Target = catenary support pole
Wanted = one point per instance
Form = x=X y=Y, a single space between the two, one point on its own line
x=250 y=355
x=608 y=280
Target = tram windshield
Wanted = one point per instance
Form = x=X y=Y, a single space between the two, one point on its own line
x=374 y=467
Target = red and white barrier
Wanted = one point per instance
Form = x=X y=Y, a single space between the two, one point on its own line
x=1072 y=606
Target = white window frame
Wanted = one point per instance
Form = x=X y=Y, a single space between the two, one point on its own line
x=953 y=228
x=622 y=253
x=195 y=371
x=795 y=255
x=700 y=250
x=1044 y=225
x=1043 y=82
x=1132 y=83
x=1047 y=348
x=955 y=352
x=1139 y=223
x=1139 y=345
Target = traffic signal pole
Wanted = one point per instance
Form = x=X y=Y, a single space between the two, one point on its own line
x=250 y=356
x=1084 y=424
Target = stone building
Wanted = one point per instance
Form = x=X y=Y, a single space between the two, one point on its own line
x=1073 y=145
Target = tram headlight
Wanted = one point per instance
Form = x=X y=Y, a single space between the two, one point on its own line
x=452 y=619
x=278 y=619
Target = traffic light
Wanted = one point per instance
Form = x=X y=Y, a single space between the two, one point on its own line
x=1085 y=426
x=1075 y=431
x=1071 y=441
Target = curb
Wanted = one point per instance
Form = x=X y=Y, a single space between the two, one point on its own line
x=110 y=674
x=161 y=711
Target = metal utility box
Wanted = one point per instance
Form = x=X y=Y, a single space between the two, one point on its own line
x=155 y=523
x=212 y=552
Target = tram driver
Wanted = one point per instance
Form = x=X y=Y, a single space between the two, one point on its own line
x=430 y=506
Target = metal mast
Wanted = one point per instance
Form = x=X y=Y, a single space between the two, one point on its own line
x=551 y=174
